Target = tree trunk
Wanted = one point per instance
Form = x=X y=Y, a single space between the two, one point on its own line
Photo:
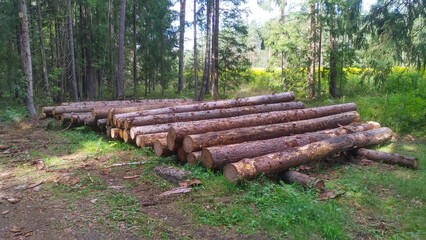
x=311 y=51
x=26 y=57
x=147 y=140
x=177 y=133
x=218 y=157
x=115 y=133
x=197 y=142
x=120 y=64
x=388 y=158
x=332 y=88
x=209 y=114
x=172 y=174
x=319 y=48
x=90 y=71
x=195 y=52
x=263 y=99
x=215 y=50
x=161 y=149
x=281 y=161
x=182 y=155
x=193 y=158
x=303 y=179
x=43 y=52
x=135 y=72
x=206 y=71
x=181 y=43
x=72 y=51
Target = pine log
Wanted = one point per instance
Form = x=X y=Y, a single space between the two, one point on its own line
x=210 y=114
x=161 y=149
x=126 y=136
x=108 y=131
x=196 y=142
x=134 y=131
x=217 y=157
x=172 y=174
x=182 y=155
x=115 y=133
x=66 y=117
x=147 y=140
x=177 y=133
x=263 y=99
x=193 y=158
x=121 y=133
x=101 y=123
x=90 y=121
x=388 y=158
x=281 y=161
x=303 y=179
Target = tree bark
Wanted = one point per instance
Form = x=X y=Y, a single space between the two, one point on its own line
x=72 y=51
x=215 y=50
x=26 y=57
x=217 y=157
x=303 y=179
x=195 y=52
x=319 y=48
x=181 y=43
x=134 y=63
x=210 y=114
x=196 y=142
x=239 y=102
x=147 y=140
x=332 y=88
x=281 y=161
x=43 y=52
x=172 y=174
x=182 y=155
x=388 y=158
x=193 y=158
x=161 y=149
x=120 y=64
x=206 y=71
x=177 y=133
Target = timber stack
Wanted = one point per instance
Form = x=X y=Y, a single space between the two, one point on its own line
x=245 y=137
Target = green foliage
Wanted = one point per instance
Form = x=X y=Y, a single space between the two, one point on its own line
x=12 y=113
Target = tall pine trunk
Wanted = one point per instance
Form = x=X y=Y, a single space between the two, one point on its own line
x=43 y=52
x=319 y=20
x=26 y=57
x=215 y=50
x=120 y=67
x=206 y=71
x=181 y=43
x=311 y=52
x=195 y=52
x=135 y=76
x=72 y=57
x=332 y=82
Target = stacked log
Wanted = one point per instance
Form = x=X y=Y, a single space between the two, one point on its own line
x=245 y=137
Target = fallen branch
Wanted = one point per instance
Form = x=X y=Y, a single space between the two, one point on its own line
x=125 y=164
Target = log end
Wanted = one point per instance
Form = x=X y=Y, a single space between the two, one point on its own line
x=230 y=171
x=187 y=144
x=182 y=155
x=171 y=137
x=207 y=157
x=193 y=158
x=126 y=135
x=318 y=184
x=115 y=133
x=158 y=148
x=139 y=141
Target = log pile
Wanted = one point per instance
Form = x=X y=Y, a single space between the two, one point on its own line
x=268 y=134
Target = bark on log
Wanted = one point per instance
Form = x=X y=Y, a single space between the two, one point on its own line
x=149 y=129
x=115 y=133
x=193 y=158
x=388 y=158
x=101 y=123
x=196 y=142
x=161 y=149
x=90 y=121
x=303 y=179
x=210 y=114
x=108 y=131
x=147 y=140
x=218 y=157
x=264 y=99
x=281 y=161
x=171 y=174
x=182 y=155
x=177 y=133
x=126 y=136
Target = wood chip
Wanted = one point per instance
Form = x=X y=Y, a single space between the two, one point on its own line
x=190 y=183
x=13 y=200
x=35 y=184
x=5 y=212
x=131 y=177
x=15 y=229
x=329 y=194
x=175 y=191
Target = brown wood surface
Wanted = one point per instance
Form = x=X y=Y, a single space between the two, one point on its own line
x=303 y=179
x=147 y=140
x=388 y=158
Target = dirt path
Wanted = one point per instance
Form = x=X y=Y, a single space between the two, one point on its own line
x=50 y=191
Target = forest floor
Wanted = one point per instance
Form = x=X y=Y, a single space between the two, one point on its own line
x=55 y=184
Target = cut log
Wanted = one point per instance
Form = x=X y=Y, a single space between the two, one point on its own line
x=210 y=114
x=218 y=157
x=115 y=133
x=193 y=158
x=196 y=142
x=108 y=131
x=281 y=161
x=177 y=133
x=135 y=131
x=147 y=140
x=126 y=136
x=264 y=99
x=182 y=155
x=90 y=121
x=388 y=158
x=171 y=174
x=303 y=179
x=161 y=149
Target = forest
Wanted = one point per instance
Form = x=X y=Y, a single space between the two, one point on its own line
x=212 y=119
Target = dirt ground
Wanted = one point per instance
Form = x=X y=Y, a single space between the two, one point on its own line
x=31 y=208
